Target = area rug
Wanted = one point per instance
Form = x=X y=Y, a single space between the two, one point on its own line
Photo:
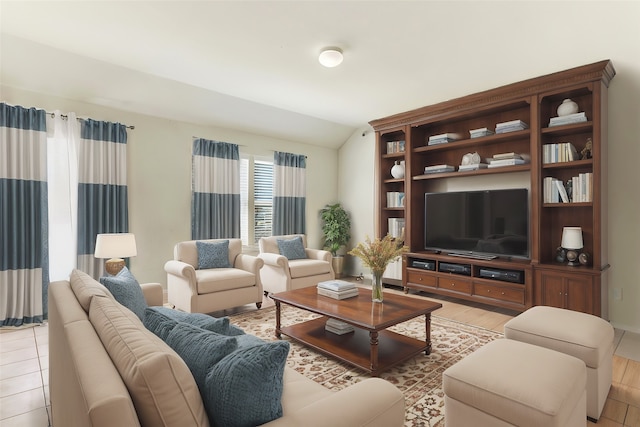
x=419 y=379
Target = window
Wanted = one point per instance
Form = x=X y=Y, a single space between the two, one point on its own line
x=256 y=198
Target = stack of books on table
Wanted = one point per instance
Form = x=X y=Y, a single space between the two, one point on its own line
x=565 y=120
x=477 y=133
x=443 y=138
x=439 y=168
x=511 y=126
x=337 y=289
x=338 y=327
x=507 y=159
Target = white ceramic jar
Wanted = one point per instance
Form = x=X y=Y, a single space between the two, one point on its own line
x=567 y=107
x=397 y=171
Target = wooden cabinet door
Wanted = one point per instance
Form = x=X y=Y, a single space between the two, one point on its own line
x=552 y=290
x=579 y=290
x=573 y=291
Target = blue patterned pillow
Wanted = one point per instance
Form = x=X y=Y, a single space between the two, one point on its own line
x=213 y=254
x=292 y=248
x=127 y=291
x=201 y=350
x=245 y=388
x=154 y=316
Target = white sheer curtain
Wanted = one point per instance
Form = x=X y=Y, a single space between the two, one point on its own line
x=63 y=137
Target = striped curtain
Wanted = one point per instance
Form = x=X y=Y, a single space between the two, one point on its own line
x=289 y=193
x=24 y=269
x=102 y=188
x=215 y=187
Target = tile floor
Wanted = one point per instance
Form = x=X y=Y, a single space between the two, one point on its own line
x=24 y=369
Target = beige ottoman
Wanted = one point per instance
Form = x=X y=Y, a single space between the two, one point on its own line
x=510 y=383
x=582 y=335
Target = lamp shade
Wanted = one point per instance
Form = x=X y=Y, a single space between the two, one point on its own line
x=331 y=57
x=116 y=245
x=572 y=238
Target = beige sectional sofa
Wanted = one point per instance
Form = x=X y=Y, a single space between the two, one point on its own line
x=106 y=369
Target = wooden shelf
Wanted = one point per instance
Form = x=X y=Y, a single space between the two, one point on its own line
x=355 y=347
x=576 y=164
x=475 y=142
x=488 y=171
x=535 y=102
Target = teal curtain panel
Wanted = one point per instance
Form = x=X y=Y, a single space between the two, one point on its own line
x=215 y=190
x=289 y=193
x=23 y=215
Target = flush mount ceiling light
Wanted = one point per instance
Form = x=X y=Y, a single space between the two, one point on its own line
x=330 y=57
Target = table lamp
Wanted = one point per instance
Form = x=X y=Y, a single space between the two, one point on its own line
x=572 y=242
x=115 y=246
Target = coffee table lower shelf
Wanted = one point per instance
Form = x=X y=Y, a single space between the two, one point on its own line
x=356 y=347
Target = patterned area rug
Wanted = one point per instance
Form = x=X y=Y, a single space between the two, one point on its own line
x=419 y=379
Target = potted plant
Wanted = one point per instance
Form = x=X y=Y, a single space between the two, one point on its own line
x=336 y=227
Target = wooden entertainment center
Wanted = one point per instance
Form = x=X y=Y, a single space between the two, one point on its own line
x=539 y=279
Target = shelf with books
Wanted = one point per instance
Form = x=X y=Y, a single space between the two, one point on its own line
x=458 y=174
x=391 y=148
x=567 y=205
x=568 y=129
x=576 y=164
x=530 y=110
x=476 y=142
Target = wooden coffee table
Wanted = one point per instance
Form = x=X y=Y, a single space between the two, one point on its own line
x=371 y=346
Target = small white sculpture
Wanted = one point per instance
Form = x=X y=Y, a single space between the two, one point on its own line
x=471 y=159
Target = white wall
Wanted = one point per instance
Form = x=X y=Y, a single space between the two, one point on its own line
x=356 y=188
x=159 y=175
x=356 y=191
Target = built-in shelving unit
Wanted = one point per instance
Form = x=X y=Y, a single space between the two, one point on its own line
x=544 y=280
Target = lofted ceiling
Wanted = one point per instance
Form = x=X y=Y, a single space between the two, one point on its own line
x=252 y=65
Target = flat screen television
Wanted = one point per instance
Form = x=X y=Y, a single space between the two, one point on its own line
x=491 y=223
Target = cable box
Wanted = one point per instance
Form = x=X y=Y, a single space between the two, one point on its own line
x=514 y=276
x=424 y=265
x=450 y=267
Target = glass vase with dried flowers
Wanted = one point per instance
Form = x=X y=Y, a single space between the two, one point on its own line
x=376 y=255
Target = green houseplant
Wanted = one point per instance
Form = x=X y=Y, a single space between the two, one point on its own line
x=336 y=228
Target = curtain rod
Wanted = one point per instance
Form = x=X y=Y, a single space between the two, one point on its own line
x=64 y=116
x=239 y=145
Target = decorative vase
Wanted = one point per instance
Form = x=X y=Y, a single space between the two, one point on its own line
x=397 y=171
x=376 y=288
x=337 y=262
x=567 y=107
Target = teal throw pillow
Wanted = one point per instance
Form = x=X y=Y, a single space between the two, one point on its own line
x=213 y=254
x=154 y=316
x=244 y=389
x=201 y=350
x=292 y=248
x=158 y=323
x=127 y=291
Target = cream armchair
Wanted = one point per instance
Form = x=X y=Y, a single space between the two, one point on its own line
x=282 y=274
x=197 y=290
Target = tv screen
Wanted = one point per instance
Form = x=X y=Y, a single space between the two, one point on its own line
x=490 y=222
